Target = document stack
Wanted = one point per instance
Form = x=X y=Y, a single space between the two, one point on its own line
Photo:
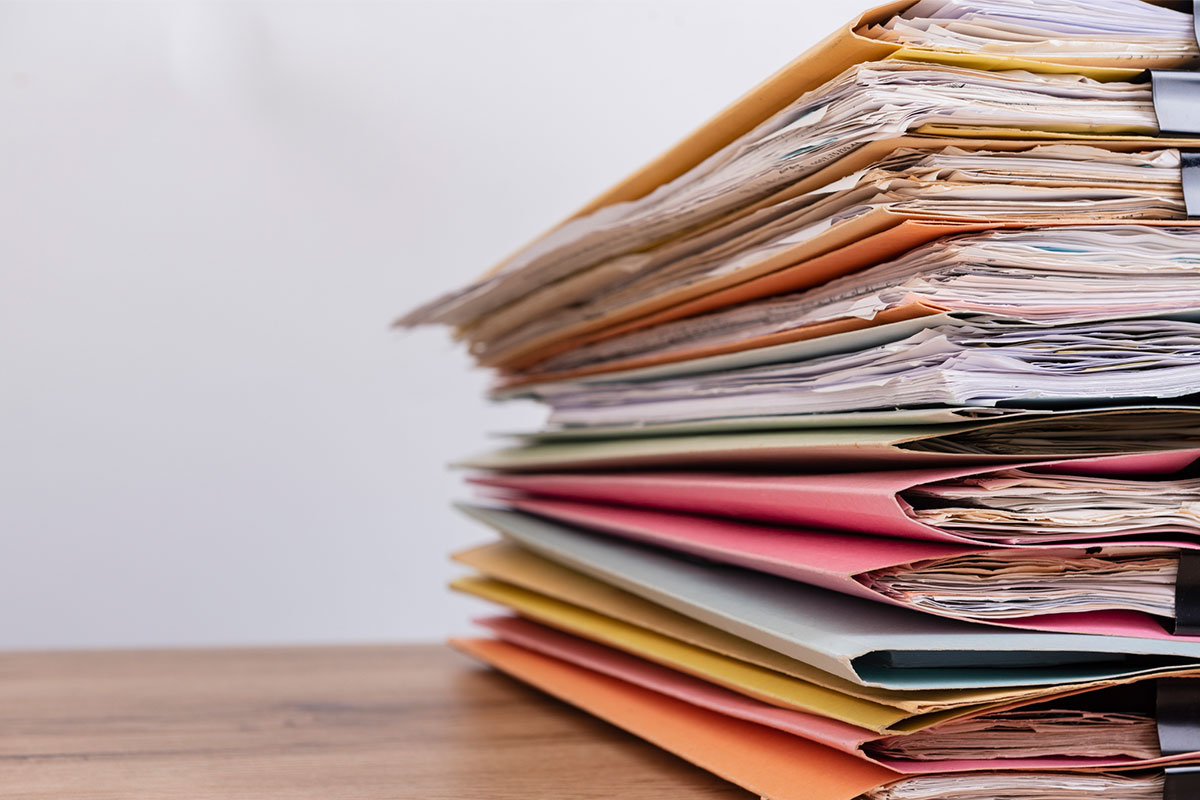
x=872 y=465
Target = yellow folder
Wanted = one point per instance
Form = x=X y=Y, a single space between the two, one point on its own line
x=762 y=684
x=563 y=598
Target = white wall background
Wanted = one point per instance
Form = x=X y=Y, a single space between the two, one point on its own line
x=210 y=212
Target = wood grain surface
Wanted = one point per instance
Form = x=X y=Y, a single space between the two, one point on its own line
x=331 y=723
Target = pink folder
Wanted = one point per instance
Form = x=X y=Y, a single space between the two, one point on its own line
x=863 y=502
x=829 y=559
x=839 y=735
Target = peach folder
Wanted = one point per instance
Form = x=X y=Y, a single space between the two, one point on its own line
x=841 y=736
x=859 y=502
x=831 y=560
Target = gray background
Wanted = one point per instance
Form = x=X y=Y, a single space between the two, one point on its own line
x=209 y=214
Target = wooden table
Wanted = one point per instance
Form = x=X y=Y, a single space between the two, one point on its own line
x=335 y=723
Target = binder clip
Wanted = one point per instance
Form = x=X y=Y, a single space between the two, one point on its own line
x=1189 y=162
x=1177 y=711
x=1187 y=582
x=1176 y=96
x=1181 y=783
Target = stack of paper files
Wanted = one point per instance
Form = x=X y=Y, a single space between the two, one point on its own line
x=872 y=461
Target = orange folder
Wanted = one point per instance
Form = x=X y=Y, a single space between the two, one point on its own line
x=768 y=762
